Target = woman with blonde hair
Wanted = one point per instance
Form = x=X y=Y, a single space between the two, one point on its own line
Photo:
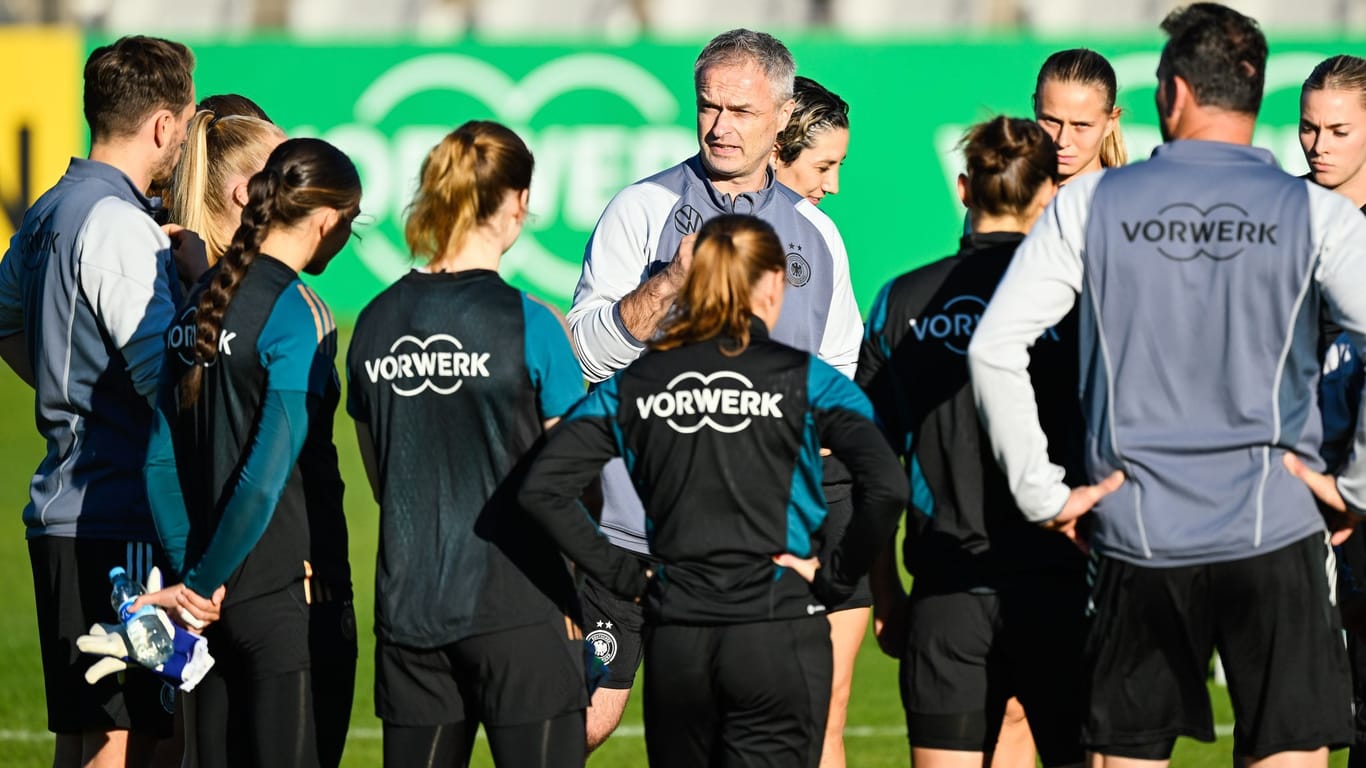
x=1333 y=137
x=209 y=187
x=721 y=429
x=1333 y=126
x=1074 y=102
x=454 y=376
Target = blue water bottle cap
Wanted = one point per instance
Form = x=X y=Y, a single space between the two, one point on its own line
x=116 y=572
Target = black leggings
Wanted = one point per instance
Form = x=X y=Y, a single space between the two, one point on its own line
x=332 y=648
x=255 y=706
x=556 y=743
x=262 y=723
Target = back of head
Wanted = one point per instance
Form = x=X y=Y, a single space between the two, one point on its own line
x=817 y=110
x=740 y=46
x=217 y=149
x=462 y=184
x=1220 y=53
x=300 y=176
x=731 y=253
x=1085 y=67
x=1339 y=73
x=1008 y=160
x=228 y=104
x=130 y=79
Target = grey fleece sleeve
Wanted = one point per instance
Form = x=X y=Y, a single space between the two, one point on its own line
x=1038 y=289
x=1339 y=235
x=125 y=263
x=11 y=290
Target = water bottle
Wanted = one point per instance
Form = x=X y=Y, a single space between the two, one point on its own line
x=150 y=644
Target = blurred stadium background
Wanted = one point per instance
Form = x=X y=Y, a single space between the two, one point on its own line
x=602 y=91
x=448 y=19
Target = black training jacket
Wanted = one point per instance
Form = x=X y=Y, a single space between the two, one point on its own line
x=964 y=530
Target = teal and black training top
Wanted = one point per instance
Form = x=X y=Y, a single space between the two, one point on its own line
x=453 y=375
x=225 y=478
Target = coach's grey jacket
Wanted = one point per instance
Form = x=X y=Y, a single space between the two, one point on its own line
x=1200 y=275
x=89 y=280
x=638 y=235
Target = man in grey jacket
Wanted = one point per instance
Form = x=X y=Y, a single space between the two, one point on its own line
x=87 y=288
x=1200 y=276
x=637 y=259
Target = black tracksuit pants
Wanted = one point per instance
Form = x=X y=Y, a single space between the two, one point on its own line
x=737 y=695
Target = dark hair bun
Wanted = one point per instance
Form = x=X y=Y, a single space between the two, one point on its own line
x=1008 y=160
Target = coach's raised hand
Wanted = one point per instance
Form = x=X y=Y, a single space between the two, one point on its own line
x=682 y=261
x=643 y=309
x=1340 y=520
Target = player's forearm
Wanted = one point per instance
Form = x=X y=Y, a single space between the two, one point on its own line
x=1006 y=404
x=165 y=498
x=271 y=456
x=883 y=579
x=880 y=494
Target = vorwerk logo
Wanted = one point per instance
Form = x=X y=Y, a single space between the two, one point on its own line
x=183 y=333
x=689 y=403
x=1185 y=231
x=578 y=166
x=38 y=244
x=438 y=362
x=953 y=324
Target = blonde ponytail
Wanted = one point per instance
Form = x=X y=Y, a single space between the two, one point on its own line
x=216 y=150
x=190 y=182
x=463 y=181
x=1112 y=151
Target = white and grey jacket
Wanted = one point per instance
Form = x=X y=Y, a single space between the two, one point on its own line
x=638 y=235
x=1200 y=275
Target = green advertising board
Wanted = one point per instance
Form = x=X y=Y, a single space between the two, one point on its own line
x=600 y=117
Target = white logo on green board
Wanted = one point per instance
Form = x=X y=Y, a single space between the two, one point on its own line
x=579 y=166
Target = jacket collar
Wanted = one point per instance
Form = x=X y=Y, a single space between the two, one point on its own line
x=745 y=202
x=981 y=240
x=83 y=169
x=1199 y=151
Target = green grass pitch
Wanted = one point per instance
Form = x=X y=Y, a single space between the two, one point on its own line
x=875 y=735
